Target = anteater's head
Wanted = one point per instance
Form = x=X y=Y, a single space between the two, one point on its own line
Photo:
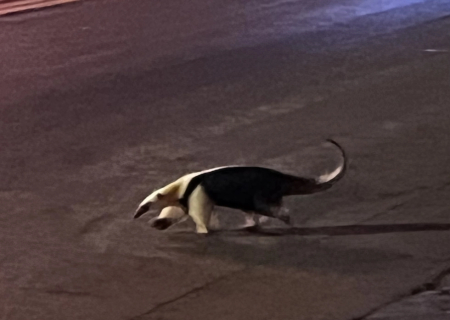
x=161 y=198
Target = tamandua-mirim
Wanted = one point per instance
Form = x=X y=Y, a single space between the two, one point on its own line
x=254 y=190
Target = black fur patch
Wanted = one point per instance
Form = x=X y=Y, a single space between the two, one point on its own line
x=255 y=189
x=245 y=188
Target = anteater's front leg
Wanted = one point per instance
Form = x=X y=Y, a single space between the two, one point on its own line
x=200 y=208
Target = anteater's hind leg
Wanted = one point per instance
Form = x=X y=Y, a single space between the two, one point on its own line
x=282 y=215
x=250 y=220
x=272 y=209
x=253 y=219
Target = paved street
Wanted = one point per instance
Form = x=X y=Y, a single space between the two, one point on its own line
x=104 y=101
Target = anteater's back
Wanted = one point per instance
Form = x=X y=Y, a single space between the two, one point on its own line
x=238 y=187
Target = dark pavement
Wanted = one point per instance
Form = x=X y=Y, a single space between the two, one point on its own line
x=103 y=101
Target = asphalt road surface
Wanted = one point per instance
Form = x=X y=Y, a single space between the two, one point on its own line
x=104 y=101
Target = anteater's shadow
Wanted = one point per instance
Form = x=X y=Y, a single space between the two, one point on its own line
x=291 y=246
x=337 y=230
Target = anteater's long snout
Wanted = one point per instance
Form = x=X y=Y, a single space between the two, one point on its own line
x=141 y=210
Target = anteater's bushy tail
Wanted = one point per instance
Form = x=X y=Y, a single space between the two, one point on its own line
x=301 y=186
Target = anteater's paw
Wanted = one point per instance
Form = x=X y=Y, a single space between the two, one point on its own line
x=161 y=224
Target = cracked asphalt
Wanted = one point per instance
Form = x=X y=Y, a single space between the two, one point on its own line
x=103 y=101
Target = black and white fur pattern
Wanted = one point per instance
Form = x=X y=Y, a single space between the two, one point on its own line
x=254 y=190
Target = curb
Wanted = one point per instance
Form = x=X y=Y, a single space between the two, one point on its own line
x=13 y=6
